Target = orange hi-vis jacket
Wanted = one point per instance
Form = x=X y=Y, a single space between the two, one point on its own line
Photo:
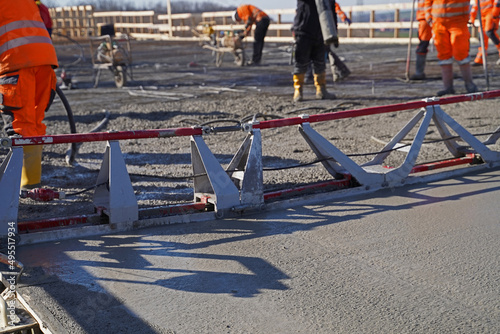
x=24 y=40
x=421 y=9
x=486 y=9
x=447 y=10
x=250 y=14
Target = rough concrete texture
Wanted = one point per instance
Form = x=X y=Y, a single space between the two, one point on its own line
x=408 y=261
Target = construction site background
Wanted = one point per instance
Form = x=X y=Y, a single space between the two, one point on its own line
x=387 y=23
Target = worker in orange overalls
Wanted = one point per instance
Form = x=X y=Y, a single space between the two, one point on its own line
x=250 y=15
x=424 y=37
x=448 y=19
x=27 y=79
x=490 y=26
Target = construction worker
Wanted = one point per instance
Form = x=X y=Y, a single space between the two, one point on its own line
x=339 y=68
x=424 y=37
x=27 y=79
x=309 y=48
x=490 y=26
x=44 y=13
x=448 y=19
x=250 y=15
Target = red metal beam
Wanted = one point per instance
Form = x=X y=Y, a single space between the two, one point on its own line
x=104 y=136
x=375 y=110
x=176 y=132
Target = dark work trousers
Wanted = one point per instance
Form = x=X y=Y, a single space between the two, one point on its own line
x=307 y=51
x=259 y=35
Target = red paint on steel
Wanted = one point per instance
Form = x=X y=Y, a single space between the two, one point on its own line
x=375 y=110
x=443 y=164
x=104 y=136
x=344 y=183
x=176 y=132
x=182 y=209
x=32 y=226
x=468 y=159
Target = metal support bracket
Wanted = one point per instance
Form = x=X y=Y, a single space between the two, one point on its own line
x=10 y=178
x=114 y=190
x=373 y=174
x=246 y=170
x=334 y=160
x=210 y=179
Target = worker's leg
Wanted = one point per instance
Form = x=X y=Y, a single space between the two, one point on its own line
x=493 y=35
x=259 y=35
x=447 y=77
x=466 y=71
x=460 y=44
x=318 y=61
x=301 y=62
x=26 y=95
x=424 y=36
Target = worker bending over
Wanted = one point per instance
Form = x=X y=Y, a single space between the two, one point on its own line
x=489 y=16
x=448 y=19
x=250 y=15
x=27 y=79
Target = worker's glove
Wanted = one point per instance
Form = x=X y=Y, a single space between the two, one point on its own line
x=470 y=24
x=241 y=36
x=348 y=21
x=335 y=42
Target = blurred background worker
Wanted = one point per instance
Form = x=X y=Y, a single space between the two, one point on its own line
x=309 y=47
x=339 y=69
x=44 y=13
x=250 y=15
x=27 y=79
x=489 y=18
x=448 y=19
x=424 y=37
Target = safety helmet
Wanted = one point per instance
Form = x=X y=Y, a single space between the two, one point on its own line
x=236 y=17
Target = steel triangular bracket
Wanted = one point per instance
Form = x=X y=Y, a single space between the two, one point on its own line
x=114 y=192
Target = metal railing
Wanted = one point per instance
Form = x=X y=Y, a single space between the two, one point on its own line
x=387 y=23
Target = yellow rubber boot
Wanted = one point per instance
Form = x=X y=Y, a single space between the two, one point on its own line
x=31 y=175
x=320 y=83
x=298 y=84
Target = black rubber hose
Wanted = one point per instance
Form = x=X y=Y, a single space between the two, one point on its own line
x=72 y=150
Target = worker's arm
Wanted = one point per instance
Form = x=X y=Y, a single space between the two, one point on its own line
x=341 y=14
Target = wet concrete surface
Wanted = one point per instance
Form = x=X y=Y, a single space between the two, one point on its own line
x=422 y=259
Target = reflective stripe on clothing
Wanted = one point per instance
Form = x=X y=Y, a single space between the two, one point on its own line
x=452 y=10
x=24 y=41
x=20 y=24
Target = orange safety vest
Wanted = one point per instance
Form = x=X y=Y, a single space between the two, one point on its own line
x=447 y=10
x=421 y=9
x=486 y=8
x=24 y=40
x=250 y=14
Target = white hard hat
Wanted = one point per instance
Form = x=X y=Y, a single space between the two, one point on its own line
x=236 y=17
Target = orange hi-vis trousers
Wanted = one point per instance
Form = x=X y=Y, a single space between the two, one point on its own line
x=25 y=95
